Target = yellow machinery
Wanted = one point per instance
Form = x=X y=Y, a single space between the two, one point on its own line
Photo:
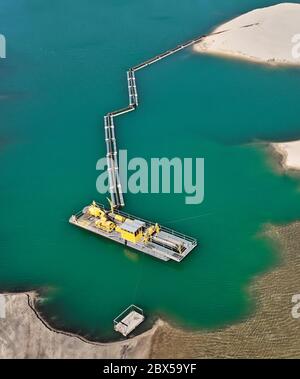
x=113 y=215
x=103 y=223
x=149 y=232
x=131 y=230
x=106 y=225
x=95 y=211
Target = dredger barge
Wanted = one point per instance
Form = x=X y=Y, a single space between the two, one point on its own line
x=131 y=231
x=139 y=234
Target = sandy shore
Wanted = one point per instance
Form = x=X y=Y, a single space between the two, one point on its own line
x=290 y=154
x=267 y=35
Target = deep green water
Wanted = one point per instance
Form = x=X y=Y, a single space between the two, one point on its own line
x=65 y=69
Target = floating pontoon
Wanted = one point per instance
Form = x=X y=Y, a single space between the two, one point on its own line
x=129 y=320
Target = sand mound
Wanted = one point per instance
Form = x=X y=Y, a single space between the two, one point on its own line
x=268 y=35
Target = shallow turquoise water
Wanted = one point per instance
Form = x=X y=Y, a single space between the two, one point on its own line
x=65 y=69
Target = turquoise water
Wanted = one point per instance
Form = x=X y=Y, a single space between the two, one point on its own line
x=65 y=69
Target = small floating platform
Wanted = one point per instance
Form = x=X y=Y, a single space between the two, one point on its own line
x=129 y=320
x=147 y=237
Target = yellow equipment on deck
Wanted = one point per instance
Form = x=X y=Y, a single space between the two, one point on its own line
x=149 y=232
x=131 y=230
x=103 y=223
x=106 y=225
x=95 y=211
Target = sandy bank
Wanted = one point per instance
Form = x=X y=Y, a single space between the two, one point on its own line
x=267 y=35
x=290 y=154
